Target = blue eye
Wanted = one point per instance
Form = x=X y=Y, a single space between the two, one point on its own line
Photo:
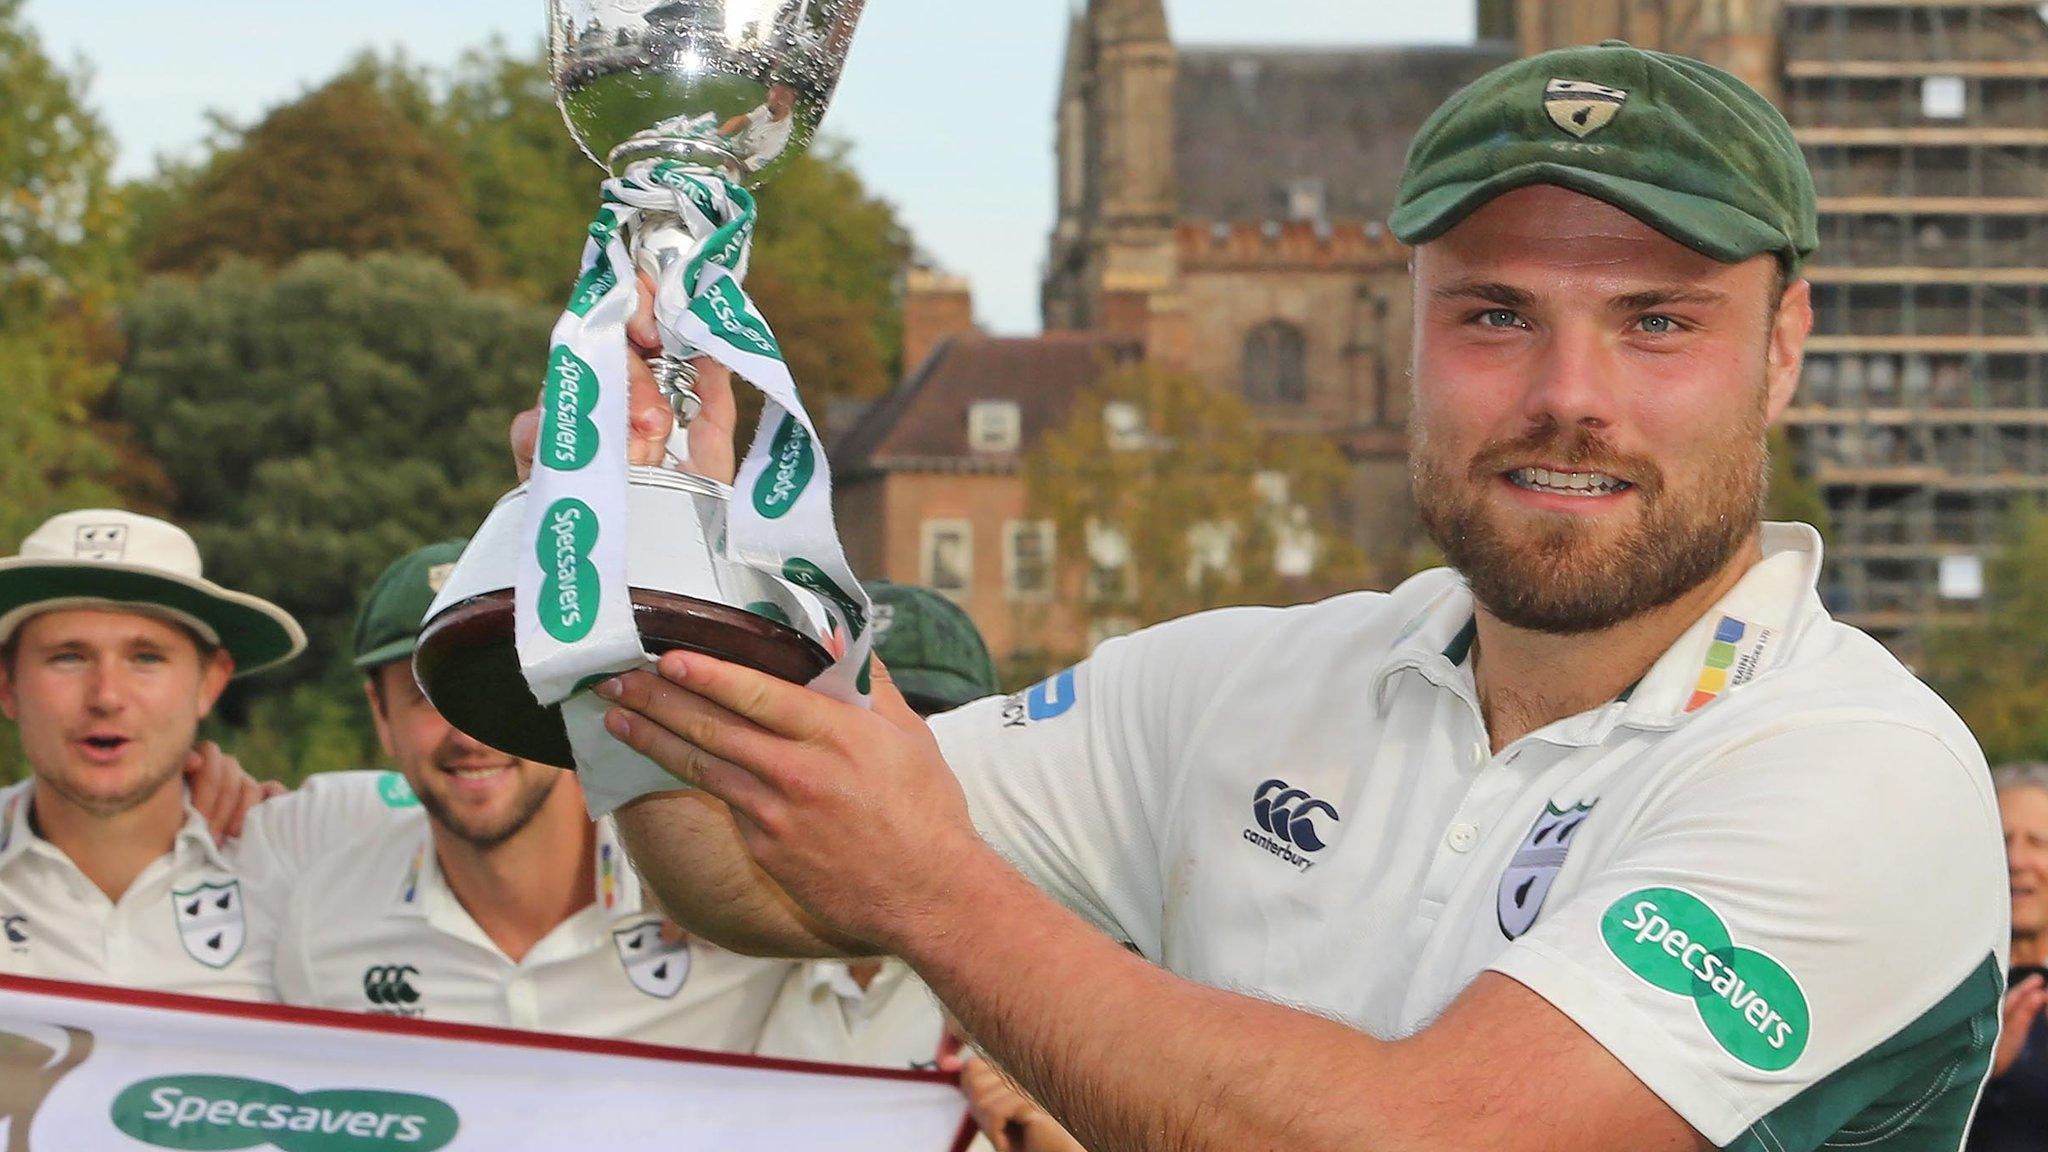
x=1657 y=325
x=1499 y=318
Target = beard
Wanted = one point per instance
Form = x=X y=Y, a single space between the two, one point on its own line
x=1563 y=575
x=485 y=831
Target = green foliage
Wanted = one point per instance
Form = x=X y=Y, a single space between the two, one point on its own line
x=1994 y=669
x=1194 y=473
x=336 y=170
x=60 y=219
x=827 y=255
x=316 y=424
x=1793 y=496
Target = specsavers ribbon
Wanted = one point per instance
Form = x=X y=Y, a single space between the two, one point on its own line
x=575 y=616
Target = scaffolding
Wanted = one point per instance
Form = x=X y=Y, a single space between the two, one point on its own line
x=1923 y=410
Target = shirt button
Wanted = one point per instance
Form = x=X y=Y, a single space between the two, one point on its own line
x=1462 y=837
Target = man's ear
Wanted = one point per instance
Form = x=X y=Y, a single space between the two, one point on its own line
x=373 y=693
x=8 y=706
x=213 y=679
x=1787 y=353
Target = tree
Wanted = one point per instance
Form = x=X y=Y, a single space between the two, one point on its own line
x=1793 y=495
x=60 y=218
x=1993 y=669
x=827 y=256
x=1176 y=501
x=314 y=425
x=336 y=170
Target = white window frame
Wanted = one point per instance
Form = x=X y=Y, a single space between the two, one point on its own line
x=994 y=426
x=1123 y=426
x=1015 y=531
x=927 y=554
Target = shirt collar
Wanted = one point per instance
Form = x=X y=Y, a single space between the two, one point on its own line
x=1741 y=637
x=194 y=838
x=422 y=890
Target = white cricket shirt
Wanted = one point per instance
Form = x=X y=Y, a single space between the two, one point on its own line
x=822 y=1013
x=377 y=929
x=1769 y=879
x=763 y=139
x=198 y=920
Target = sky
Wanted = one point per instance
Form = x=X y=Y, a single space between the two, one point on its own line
x=948 y=104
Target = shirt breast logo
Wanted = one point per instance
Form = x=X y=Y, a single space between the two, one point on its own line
x=1529 y=875
x=657 y=962
x=1290 y=823
x=16 y=929
x=210 y=922
x=390 y=990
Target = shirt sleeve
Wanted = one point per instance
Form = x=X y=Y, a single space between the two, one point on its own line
x=1803 y=937
x=1072 y=779
x=281 y=838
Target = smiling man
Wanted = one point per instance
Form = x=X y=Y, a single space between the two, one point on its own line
x=1605 y=837
x=113 y=648
x=500 y=901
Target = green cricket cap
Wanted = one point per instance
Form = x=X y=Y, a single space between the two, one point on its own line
x=934 y=652
x=388 y=624
x=1682 y=146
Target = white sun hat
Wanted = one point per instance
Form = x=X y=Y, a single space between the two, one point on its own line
x=108 y=558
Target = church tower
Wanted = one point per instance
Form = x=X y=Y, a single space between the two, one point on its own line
x=1113 y=248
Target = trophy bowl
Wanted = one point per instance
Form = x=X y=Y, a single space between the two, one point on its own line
x=685 y=596
x=733 y=85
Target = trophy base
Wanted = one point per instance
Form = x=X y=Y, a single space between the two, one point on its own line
x=467 y=663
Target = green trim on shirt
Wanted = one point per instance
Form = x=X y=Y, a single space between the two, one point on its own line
x=1461 y=644
x=1911 y=1093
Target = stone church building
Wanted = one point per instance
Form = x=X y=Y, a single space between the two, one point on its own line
x=1220 y=210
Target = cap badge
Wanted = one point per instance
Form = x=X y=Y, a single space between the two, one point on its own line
x=438 y=575
x=100 y=541
x=1581 y=107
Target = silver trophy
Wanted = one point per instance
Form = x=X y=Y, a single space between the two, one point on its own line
x=733 y=88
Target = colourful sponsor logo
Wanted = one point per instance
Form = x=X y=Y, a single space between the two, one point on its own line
x=604 y=227
x=1720 y=658
x=805 y=574
x=791 y=460
x=223 y=1112
x=1750 y=1004
x=568 y=590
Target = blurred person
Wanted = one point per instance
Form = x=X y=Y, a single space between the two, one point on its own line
x=2013 y=1116
x=498 y=901
x=113 y=648
x=758 y=136
x=1607 y=826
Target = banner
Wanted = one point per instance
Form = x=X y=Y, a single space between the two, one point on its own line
x=109 y=1070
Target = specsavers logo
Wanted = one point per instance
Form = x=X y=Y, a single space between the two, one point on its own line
x=1751 y=1005
x=791 y=460
x=595 y=282
x=568 y=587
x=219 y=1112
x=567 y=400
x=725 y=308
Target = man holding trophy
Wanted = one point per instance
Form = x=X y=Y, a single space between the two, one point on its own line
x=1606 y=837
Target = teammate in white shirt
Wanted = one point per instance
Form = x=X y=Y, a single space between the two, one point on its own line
x=1607 y=838
x=498 y=901
x=758 y=136
x=113 y=647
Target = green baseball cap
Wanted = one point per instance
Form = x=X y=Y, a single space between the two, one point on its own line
x=1682 y=146
x=934 y=652
x=388 y=625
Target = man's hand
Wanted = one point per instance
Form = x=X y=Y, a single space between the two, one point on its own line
x=711 y=431
x=1012 y=1121
x=2022 y=1007
x=221 y=791
x=854 y=813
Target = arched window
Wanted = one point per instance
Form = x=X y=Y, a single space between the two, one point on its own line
x=1276 y=364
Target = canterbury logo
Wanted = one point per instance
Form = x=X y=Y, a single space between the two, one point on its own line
x=1289 y=813
x=390 y=984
